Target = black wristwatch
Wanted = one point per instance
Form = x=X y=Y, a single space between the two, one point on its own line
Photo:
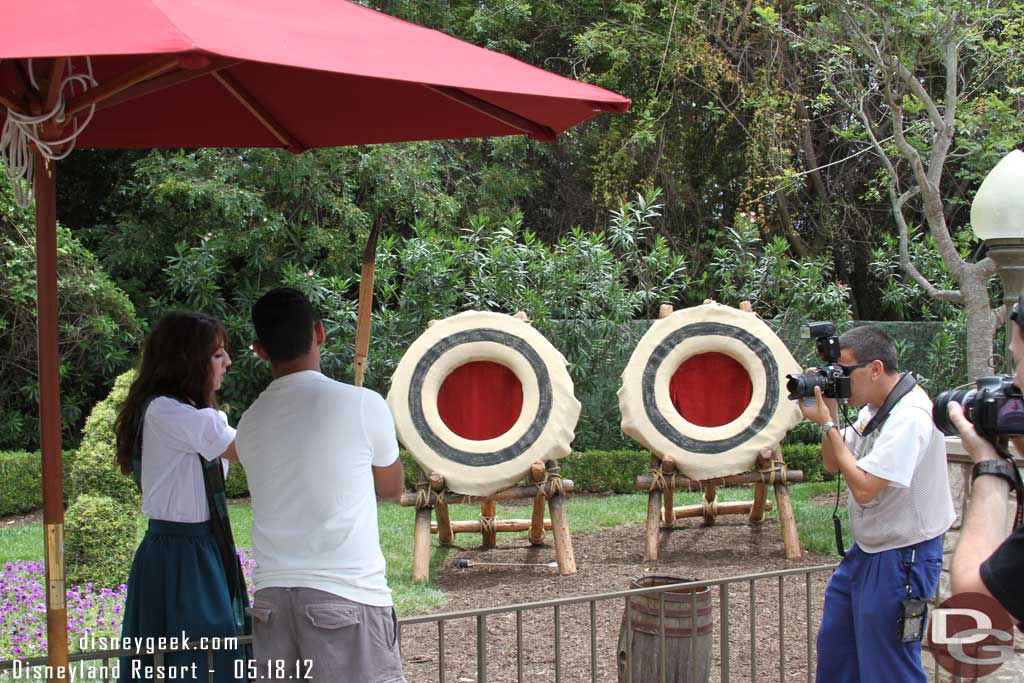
x=995 y=468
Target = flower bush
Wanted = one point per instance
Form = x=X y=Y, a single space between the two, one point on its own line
x=92 y=612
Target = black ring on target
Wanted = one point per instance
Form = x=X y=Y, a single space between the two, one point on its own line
x=510 y=452
x=661 y=351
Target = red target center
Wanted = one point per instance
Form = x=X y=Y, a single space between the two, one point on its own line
x=710 y=389
x=480 y=400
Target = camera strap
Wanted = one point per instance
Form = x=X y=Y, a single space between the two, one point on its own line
x=903 y=387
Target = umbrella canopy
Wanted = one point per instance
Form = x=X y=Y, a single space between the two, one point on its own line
x=266 y=73
x=234 y=73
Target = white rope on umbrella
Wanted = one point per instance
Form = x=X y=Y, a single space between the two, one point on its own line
x=21 y=133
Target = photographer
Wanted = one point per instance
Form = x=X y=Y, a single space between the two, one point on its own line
x=894 y=462
x=986 y=560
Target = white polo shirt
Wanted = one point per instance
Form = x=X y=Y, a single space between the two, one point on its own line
x=172 y=478
x=910 y=452
x=308 y=444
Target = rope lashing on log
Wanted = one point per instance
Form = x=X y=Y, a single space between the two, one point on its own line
x=710 y=507
x=553 y=485
x=487 y=525
x=659 y=482
x=777 y=468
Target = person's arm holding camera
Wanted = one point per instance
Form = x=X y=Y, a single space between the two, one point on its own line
x=836 y=455
x=984 y=526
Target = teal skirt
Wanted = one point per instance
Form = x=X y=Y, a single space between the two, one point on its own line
x=177 y=589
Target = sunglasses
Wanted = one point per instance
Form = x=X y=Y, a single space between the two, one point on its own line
x=848 y=369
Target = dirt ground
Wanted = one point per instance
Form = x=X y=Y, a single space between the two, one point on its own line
x=607 y=560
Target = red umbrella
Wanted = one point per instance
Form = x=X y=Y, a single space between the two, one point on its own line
x=235 y=73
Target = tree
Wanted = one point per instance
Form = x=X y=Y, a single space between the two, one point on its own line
x=932 y=88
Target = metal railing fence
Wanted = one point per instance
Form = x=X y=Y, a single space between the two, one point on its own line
x=548 y=659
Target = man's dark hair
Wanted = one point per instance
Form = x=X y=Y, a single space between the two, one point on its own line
x=284 y=319
x=868 y=343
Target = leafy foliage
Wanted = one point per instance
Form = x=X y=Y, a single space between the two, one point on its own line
x=97 y=325
x=100 y=541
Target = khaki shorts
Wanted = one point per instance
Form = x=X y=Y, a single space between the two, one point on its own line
x=307 y=634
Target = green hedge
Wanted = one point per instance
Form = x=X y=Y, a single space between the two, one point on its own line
x=99 y=540
x=616 y=471
x=590 y=471
x=21 y=480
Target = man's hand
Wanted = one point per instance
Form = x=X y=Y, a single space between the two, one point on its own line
x=978 y=447
x=823 y=410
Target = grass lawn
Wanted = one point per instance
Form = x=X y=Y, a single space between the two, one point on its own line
x=814 y=521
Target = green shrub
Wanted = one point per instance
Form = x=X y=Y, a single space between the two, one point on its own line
x=21 y=480
x=96 y=471
x=100 y=540
x=616 y=471
x=807 y=458
x=236 y=485
x=605 y=471
x=99 y=329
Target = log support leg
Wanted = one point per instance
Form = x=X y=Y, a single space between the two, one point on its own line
x=559 y=522
x=421 y=546
x=760 y=501
x=489 y=535
x=560 y=530
x=536 y=535
x=710 y=504
x=668 y=468
x=764 y=460
x=787 y=520
x=654 y=516
x=445 y=533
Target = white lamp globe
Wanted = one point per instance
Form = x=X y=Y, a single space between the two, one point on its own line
x=998 y=208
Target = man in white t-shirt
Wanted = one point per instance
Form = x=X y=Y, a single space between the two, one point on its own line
x=900 y=505
x=315 y=453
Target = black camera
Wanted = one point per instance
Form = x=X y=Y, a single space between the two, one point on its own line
x=831 y=377
x=995 y=407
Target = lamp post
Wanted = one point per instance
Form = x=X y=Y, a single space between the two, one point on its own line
x=997 y=216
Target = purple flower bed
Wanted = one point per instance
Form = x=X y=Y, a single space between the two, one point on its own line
x=92 y=612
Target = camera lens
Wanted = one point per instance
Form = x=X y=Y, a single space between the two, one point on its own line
x=940 y=414
x=802 y=386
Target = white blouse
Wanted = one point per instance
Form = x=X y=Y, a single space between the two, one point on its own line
x=172 y=479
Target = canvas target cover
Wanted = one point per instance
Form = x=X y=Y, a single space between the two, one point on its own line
x=707 y=385
x=479 y=397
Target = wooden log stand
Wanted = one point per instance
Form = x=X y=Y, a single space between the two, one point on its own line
x=663 y=479
x=545 y=486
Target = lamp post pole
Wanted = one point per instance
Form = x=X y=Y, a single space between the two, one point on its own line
x=997 y=217
x=1008 y=253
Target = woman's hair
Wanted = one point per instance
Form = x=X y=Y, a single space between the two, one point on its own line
x=176 y=363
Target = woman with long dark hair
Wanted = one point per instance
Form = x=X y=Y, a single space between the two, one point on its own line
x=171 y=437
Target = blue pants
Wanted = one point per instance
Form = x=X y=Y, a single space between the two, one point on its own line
x=859 y=639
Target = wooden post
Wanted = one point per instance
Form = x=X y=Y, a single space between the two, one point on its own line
x=445 y=532
x=421 y=546
x=787 y=520
x=653 y=534
x=560 y=530
x=500 y=525
x=764 y=460
x=733 y=507
x=710 y=492
x=668 y=467
x=489 y=538
x=536 y=534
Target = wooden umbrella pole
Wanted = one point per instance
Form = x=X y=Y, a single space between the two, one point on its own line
x=49 y=417
x=362 y=352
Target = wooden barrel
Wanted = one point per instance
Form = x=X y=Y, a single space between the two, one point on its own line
x=687 y=637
